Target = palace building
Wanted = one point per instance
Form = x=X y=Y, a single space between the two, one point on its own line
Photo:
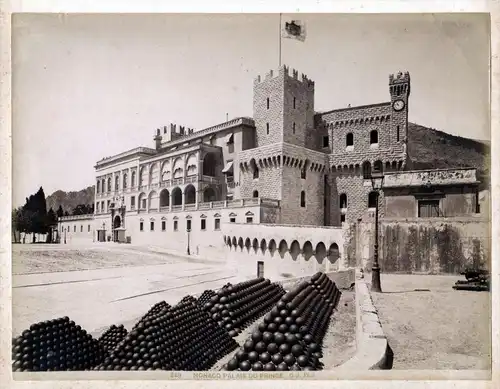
x=290 y=180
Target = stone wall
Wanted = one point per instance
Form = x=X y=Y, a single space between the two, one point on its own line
x=433 y=245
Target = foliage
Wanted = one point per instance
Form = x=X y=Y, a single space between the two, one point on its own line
x=83 y=209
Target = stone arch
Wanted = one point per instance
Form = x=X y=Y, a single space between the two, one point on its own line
x=189 y=194
x=109 y=184
x=177 y=168
x=282 y=248
x=165 y=170
x=143 y=176
x=191 y=165
x=320 y=252
x=295 y=250
x=176 y=196
x=132 y=179
x=263 y=246
x=240 y=243
x=307 y=250
x=234 y=242
x=141 y=200
x=164 y=198
x=154 y=173
x=117 y=221
x=153 y=200
x=209 y=164
x=247 y=244
x=272 y=247
x=333 y=253
x=255 y=244
x=209 y=194
x=343 y=201
x=378 y=166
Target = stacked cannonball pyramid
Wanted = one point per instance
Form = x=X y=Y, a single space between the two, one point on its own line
x=154 y=310
x=205 y=297
x=182 y=337
x=55 y=345
x=188 y=299
x=112 y=336
x=290 y=336
x=237 y=306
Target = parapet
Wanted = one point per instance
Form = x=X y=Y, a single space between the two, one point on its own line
x=284 y=71
x=399 y=78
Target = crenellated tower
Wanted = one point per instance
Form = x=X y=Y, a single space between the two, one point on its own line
x=399 y=88
x=283 y=107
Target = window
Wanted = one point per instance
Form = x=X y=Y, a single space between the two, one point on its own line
x=367 y=170
x=217 y=224
x=74 y=228
x=342 y=218
x=232 y=220
x=326 y=143
x=373 y=137
x=163 y=225
x=397 y=133
x=132 y=202
x=188 y=224
x=294 y=102
x=428 y=208
x=372 y=199
x=255 y=194
x=98 y=207
x=267 y=128
x=117 y=183
x=478 y=203
x=378 y=166
x=144 y=203
x=152 y=226
x=81 y=228
x=293 y=127
x=141 y=226
x=125 y=181
x=343 y=201
x=203 y=224
x=349 y=140
x=255 y=172
x=109 y=202
x=302 y=199
x=98 y=186
x=132 y=182
x=303 y=173
x=249 y=220
x=109 y=184
x=268 y=103
x=89 y=228
x=176 y=225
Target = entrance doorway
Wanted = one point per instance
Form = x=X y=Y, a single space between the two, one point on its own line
x=117 y=222
x=260 y=269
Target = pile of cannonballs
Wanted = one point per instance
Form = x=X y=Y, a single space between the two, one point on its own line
x=239 y=305
x=183 y=337
x=55 y=345
x=112 y=336
x=205 y=297
x=290 y=336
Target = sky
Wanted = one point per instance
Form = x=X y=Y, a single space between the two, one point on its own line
x=89 y=86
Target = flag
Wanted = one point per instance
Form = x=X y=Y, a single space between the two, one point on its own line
x=294 y=29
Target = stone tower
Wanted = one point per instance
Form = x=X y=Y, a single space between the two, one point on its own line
x=283 y=108
x=399 y=88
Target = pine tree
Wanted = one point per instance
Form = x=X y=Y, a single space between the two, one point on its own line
x=60 y=212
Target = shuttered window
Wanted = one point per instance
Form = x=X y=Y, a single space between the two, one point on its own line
x=428 y=208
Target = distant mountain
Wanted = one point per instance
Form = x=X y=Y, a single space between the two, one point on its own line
x=69 y=200
x=432 y=149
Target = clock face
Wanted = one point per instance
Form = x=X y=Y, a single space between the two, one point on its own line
x=399 y=105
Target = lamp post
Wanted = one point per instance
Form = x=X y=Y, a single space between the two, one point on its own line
x=377 y=179
x=188 y=249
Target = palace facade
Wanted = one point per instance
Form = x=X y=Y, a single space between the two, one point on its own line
x=294 y=178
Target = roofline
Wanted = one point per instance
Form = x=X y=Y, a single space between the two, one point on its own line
x=352 y=108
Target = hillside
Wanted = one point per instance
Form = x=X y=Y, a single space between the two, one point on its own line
x=428 y=149
x=432 y=149
x=70 y=200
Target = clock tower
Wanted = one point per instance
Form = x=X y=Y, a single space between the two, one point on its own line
x=399 y=88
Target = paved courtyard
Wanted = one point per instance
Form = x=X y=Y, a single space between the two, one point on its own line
x=120 y=284
x=437 y=329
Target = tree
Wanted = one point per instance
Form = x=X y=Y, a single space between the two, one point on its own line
x=51 y=222
x=60 y=211
x=66 y=213
x=35 y=214
x=83 y=209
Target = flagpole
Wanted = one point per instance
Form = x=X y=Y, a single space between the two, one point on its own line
x=280 y=42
